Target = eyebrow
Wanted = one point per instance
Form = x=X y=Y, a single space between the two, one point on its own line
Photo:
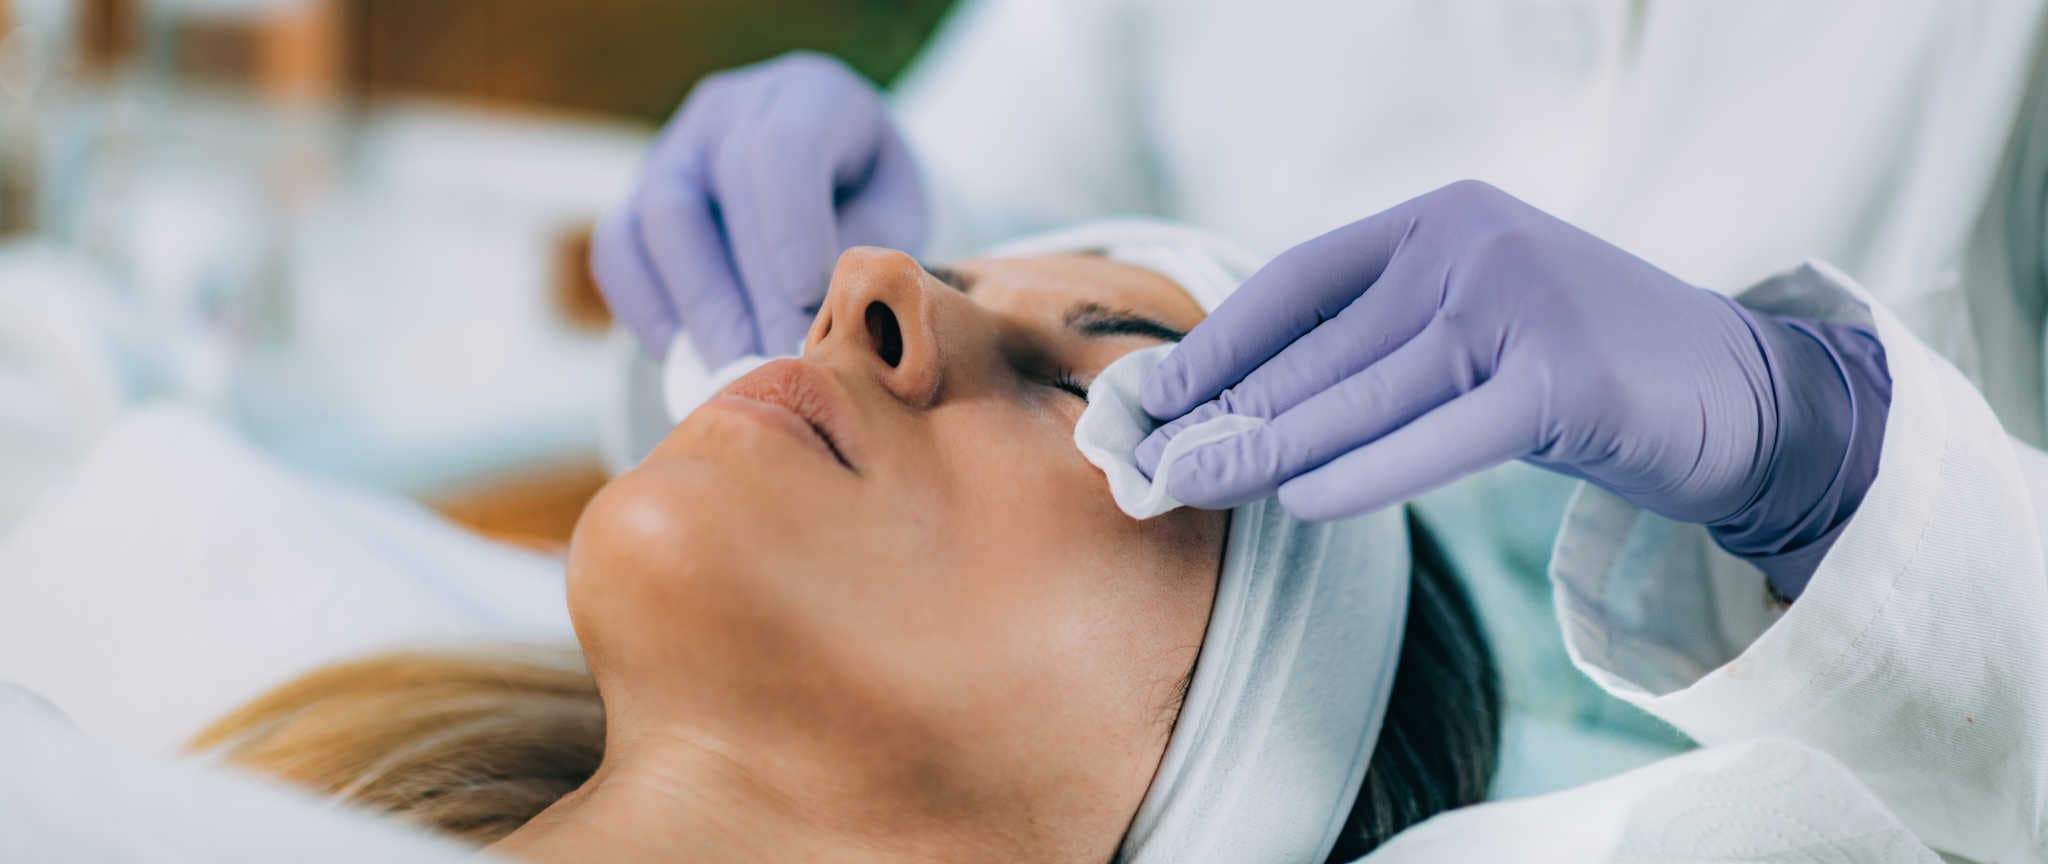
x=1086 y=317
x=1097 y=320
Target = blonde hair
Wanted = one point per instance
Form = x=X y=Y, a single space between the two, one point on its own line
x=472 y=744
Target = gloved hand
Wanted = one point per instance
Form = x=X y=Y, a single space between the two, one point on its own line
x=1465 y=328
x=749 y=195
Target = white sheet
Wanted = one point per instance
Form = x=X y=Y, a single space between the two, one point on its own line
x=68 y=797
x=178 y=573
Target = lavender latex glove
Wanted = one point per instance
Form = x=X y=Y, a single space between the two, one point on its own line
x=748 y=197
x=1464 y=328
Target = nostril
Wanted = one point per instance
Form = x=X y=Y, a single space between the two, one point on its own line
x=888 y=335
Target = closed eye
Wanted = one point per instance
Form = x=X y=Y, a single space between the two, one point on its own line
x=1064 y=379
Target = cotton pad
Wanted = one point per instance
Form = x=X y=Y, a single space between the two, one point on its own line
x=686 y=384
x=1113 y=424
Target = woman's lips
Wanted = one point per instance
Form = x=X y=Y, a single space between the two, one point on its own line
x=811 y=395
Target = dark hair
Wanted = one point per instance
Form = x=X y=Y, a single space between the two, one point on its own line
x=1441 y=739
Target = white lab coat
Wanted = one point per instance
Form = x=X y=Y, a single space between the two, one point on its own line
x=1899 y=707
x=1906 y=146
x=1722 y=141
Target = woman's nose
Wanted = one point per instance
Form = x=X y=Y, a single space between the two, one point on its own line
x=878 y=315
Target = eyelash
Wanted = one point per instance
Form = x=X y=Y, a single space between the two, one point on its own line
x=1064 y=379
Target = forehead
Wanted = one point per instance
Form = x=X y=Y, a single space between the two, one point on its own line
x=1050 y=285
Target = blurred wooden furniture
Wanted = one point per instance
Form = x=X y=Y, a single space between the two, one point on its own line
x=634 y=58
x=109 y=32
x=536 y=509
x=619 y=58
x=292 y=53
x=576 y=295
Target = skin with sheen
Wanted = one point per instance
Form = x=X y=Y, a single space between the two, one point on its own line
x=872 y=604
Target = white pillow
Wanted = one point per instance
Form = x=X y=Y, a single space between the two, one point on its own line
x=67 y=797
x=178 y=573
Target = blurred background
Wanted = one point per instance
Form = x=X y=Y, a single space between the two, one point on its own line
x=353 y=229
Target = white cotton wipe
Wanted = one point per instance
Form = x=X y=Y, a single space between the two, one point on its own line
x=656 y=394
x=1113 y=424
x=686 y=384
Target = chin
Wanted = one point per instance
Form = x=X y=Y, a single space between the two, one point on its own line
x=717 y=497
x=659 y=552
x=657 y=523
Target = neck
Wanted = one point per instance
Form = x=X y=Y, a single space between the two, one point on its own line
x=701 y=809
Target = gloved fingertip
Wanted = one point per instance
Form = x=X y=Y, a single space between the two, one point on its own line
x=1165 y=390
x=1311 y=499
x=654 y=337
x=1189 y=489
x=1149 y=450
x=784 y=336
x=1300 y=500
x=1206 y=494
x=1204 y=479
x=715 y=346
x=805 y=285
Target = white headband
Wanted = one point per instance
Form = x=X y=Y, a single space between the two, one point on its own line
x=1291 y=687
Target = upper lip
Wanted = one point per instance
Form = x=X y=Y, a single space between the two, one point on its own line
x=810 y=392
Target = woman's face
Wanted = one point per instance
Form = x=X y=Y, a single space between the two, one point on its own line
x=883 y=570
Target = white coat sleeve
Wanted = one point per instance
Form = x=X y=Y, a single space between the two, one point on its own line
x=1027 y=115
x=1763 y=801
x=1918 y=654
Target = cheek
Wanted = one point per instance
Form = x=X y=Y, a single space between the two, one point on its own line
x=695 y=575
x=1078 y=591
x=1013 y=474
x=1015 y=470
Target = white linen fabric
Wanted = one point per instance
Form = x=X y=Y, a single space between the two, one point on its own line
x=67 y=796
x=1762 y=800
x=178 y=573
